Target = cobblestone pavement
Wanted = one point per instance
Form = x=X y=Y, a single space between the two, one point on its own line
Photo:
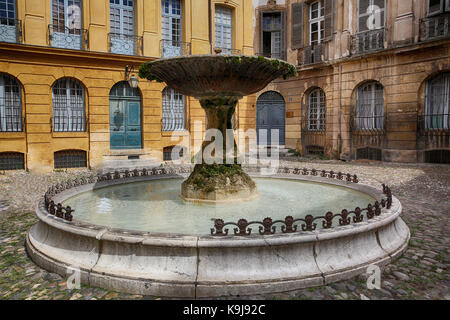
x=421 y=273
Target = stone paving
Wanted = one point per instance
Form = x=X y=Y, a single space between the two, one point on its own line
x=421 y=273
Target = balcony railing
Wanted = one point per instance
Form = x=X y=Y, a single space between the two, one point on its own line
x=10 y=30
x=281 y=55
x=434 y=123
x=368 y=41
x=219 y=49
x=433 y=28
x=314 y=54
x=171 y=48
x=68 y=38
x=125 y=44
x=11 y=123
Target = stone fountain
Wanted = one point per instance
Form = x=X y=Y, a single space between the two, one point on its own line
x=218 y=82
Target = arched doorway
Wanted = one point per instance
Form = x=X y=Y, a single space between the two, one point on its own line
x=270 y=115
x=125 y=117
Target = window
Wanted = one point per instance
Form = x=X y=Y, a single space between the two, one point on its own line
x=8 y=31
x=369 y=153
x=272 y=36
x=10 y=104
x=437 y=102
x=68 y=106
x=172 y=36
x=173 y=110
x=66 y=24
x=371 y=15
x=223 y=27
x=121 y=15
x=316 y=110
x=173 y=153
x=12 y=161
x=316 y=23
x=437 y=156
x=437 y=6
x=370 y=107
x=70 y=159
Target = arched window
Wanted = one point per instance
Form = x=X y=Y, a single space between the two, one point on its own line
x=437 y=102
x=224 y=29
x=10 y=104
x=369 y=113
x=316 y=110
x=173 y=110
x=68 y=106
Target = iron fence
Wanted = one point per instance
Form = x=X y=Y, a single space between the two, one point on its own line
x=432 y=28
x=60 y=36
x=170 y=48
x=11 y=123
x=125 y=44
x=368 y=41
x=11 y=30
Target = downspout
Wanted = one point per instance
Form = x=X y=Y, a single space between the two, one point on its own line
x=210 y=26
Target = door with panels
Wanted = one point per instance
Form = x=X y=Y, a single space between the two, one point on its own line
x=122 y=39
x=66 y=28
x=270 y=119
x=172 y=35
x=125 y=117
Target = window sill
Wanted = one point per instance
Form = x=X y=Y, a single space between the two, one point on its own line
x=75 y=134
x=175 y=133
x=12 y=135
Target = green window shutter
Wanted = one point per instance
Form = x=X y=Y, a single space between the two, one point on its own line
x=329 y=19
x=297 y=25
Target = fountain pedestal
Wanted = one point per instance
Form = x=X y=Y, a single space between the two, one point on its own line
x=214 y=178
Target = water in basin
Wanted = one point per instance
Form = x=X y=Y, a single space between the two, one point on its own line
x=155 y=205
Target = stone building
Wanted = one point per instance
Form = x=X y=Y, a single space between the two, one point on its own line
x=68 y=67
x=373 y=82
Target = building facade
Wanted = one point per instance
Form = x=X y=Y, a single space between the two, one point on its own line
x=67 y=69
x=373 y=77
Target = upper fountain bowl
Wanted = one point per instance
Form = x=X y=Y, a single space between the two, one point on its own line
x=204 y=76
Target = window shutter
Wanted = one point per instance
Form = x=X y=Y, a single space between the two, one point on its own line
x=297 y=25
x=362 y=15
x=329 y=19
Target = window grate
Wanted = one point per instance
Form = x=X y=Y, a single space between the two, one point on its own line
x=437 y=156
x=370 y=107
x=168 y=153
x=70 y=159
x=173 y=110
x=316 y=110
x=12 y=161
x=368 y=153
x=437 y=102
x=315 y=150
x=68 y=106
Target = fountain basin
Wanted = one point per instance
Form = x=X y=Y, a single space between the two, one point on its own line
x=204 y=266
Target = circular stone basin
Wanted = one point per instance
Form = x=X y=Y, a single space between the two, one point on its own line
x=155 y=206
x=198 y=265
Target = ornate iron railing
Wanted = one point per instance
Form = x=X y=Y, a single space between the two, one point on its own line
x=281 y=55
x=68 y=38
x=170 y=48
x=314 y=54
x=217 y=49
x=12 y=124
x=433 y=28
x=368 y=41
x=125 y=44
x=309 y=223
x=11 y=30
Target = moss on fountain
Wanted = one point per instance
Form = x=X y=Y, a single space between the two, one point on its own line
x=218 y=182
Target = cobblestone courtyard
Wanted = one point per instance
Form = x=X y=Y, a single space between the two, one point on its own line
x=421 y=273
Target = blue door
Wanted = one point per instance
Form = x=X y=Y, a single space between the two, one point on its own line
x=270 y=116
x=125 y=124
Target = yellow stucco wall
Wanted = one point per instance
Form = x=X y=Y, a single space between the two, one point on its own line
x=37 y=66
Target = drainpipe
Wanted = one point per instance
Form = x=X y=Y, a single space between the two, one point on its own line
x=210 y=26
